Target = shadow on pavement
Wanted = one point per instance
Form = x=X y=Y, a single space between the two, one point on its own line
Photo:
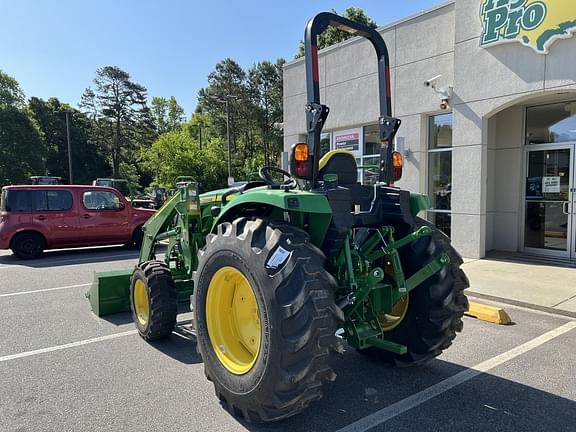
x=487 y=402
x=123 y=318
x=73 y=256
x=181 y=345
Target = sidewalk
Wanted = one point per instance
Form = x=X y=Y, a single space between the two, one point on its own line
x=540 y=285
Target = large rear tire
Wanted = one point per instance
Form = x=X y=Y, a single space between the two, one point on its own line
x=432 y=314
x=153 y=300
x=276 y=364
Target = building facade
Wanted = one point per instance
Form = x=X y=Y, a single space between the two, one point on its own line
x=486 y=91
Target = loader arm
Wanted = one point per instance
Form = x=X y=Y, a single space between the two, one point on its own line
x=179 y=223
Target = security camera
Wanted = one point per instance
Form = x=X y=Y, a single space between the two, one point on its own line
x=432 y=81
x=444 y=94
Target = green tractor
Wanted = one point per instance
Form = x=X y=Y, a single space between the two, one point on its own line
x=281 y=272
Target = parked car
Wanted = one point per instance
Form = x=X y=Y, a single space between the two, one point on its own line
x=45 y=180
x=35 y=218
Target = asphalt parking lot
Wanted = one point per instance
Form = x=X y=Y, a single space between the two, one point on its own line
x=63 y=369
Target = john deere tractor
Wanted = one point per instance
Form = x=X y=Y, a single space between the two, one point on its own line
x=284 y=271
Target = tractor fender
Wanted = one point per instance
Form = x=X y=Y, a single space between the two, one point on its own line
x=300 y=205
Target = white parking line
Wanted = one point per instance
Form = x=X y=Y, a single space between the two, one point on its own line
x=44 y=290
x=66 y=346
x=425 y=395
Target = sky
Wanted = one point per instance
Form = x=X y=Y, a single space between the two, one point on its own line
x=53 y=47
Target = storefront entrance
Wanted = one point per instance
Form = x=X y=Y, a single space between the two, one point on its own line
x=550 y=200
x=550 y=186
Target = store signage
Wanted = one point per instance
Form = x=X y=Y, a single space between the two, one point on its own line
x=551 y=184
x=534 y=23
x=348 y=141
x=534 y=188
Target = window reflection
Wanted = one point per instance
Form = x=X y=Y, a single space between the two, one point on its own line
x=553 y=123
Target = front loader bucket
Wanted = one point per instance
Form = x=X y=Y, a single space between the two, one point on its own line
x=110 y=292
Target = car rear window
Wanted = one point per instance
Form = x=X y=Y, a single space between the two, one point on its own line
x=17 y=201
x=52 y=200
x=44 y=200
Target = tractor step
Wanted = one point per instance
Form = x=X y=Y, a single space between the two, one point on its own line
x=110 y=292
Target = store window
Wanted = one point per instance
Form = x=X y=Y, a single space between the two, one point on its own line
x=324 y=143
x=370 y=154
x=349 y=140
x=440 y=170
x=553 y=123
x=363 y=142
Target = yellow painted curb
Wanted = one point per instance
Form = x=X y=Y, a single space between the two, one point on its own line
x=487 y=313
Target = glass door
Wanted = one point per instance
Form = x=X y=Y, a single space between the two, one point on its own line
x=549 y=200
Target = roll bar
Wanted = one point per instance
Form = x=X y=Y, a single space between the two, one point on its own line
x=316 y=113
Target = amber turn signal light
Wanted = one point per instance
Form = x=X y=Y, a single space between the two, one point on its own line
x=397 y=164
x=301 y=152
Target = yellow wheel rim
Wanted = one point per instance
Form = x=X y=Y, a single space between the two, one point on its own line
x=389 y=321
x=141 y=304
x=233 y=320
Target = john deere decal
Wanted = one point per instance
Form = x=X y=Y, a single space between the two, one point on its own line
x=534 y=23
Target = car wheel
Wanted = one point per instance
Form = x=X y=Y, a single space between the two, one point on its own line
x=27 y=245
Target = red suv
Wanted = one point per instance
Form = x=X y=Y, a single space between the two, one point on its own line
x=34 y=218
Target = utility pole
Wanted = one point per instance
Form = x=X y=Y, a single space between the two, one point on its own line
x=200 y=134
x=227 y=101
x=69 y=148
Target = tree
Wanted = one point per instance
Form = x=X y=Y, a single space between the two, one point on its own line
x=11 y=95
x=177 y=153
x=21 y=147
x=332 y=35
x=255 y=104
x=265 y=84
x=121 y=118
x=87 y=162
x=201 y=127
x=167 y=114
x=227 y=81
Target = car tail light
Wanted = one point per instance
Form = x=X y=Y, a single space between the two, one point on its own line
x=397 y=163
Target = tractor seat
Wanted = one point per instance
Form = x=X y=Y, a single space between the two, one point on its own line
x=343 y=164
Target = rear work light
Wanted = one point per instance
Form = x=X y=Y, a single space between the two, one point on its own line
x=299 y=161
x=397 y=163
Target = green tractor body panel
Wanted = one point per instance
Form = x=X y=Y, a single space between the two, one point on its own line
x=295 y=203
x=419 y=203
x=110 y=292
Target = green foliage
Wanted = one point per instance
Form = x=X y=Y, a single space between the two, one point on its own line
x=178 y=153
x=167 y=114
x=21 y=147
x=87 y=162
x=120 y=116
x=254 y=101
x=265 y=85
x=11 y=95
x=332 y=35
x=226 y=84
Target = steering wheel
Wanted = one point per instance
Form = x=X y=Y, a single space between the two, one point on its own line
x=266 y=172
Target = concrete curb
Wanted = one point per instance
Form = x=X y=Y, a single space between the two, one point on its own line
x=488 y=313
x=547 y=309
